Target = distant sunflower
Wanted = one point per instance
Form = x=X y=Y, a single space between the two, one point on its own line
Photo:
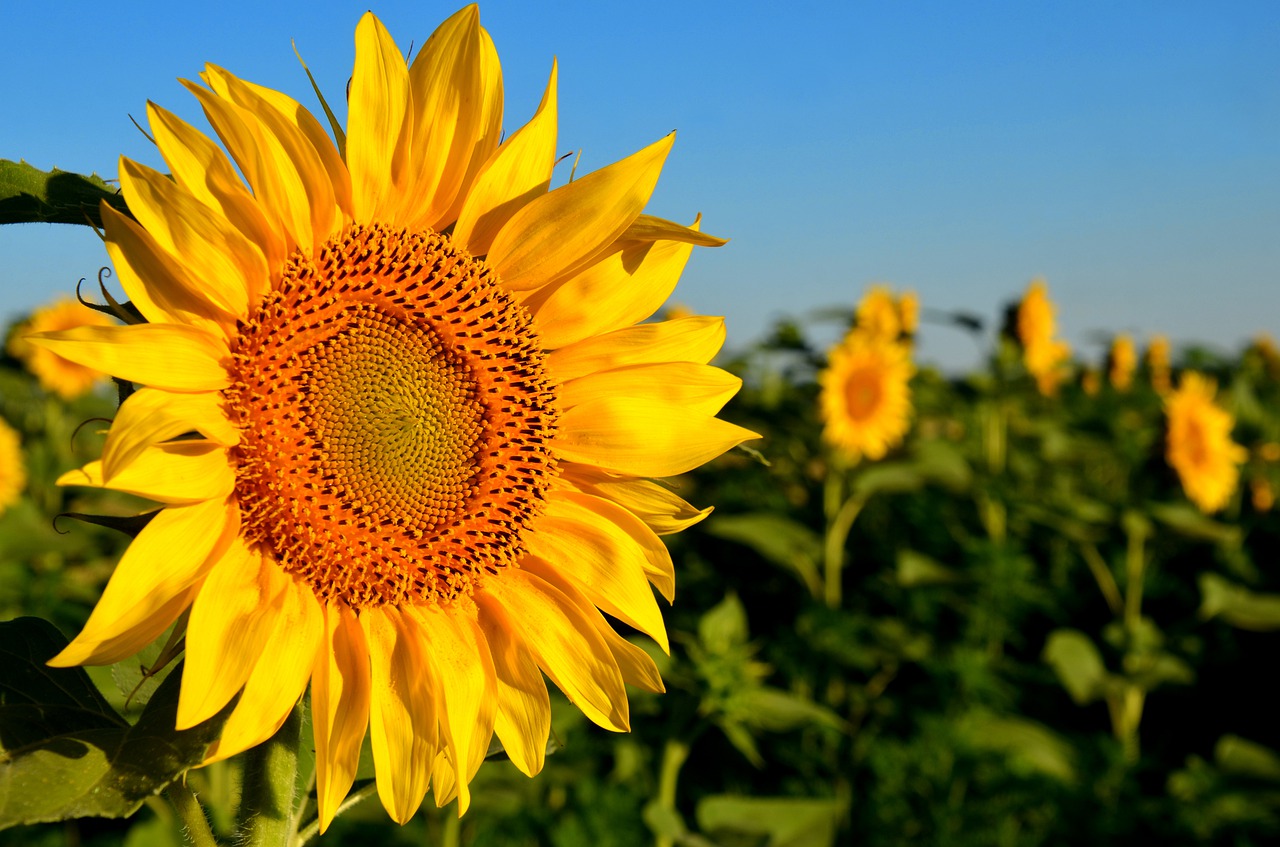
x=882 y=314
x=63 y=377
x=1122 y=361
x=866 y=396
x=909 y=312
x=1043 y=354
x=1090 y=381
x=427 y=415
x=1158 y=363
x=1200 y=448
x=13 y=474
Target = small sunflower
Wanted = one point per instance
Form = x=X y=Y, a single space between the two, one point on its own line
x=880 y=313
x=1122 y=361
x=866 y=396
x=1200 y=448
x=909 y=312
x=1090 y=381
x=13 y=474
x=1043 y=355
x=63 y=377
x=1158 y=363
x=428 y=415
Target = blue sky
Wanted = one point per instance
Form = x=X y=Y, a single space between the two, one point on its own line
x=1128 y=152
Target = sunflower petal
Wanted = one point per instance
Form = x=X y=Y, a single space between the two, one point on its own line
x=698 y=388
x=562 y=636
x=562 y=231
x=524 y=708
x=636 y=438
x=377 y=116
x=192 y=359
x=647 y=228
x=693 y=339
x=230 y=627
x=153 y=582
x=150 y=416
x=662 y=510
x=402 y=716
x=176 y=472
x=340 y=691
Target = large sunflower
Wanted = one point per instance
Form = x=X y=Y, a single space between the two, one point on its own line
x=13 y=473
x=427 y=417
x=65 y=378
x=1200 y=448
x=866 y=396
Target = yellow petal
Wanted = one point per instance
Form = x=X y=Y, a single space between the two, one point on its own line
x=280 y=676
x=579 y=536
x=692 y=339
x=230 y=627
x=662 y=510
x=176 y=472
x=512 y=176
x=340 y=690
x=171 y=356
x=150 y=416
x=698 y=388
x=377 y=115
x=523 y=720
x=202 y=168
x=562 y=231
x=466 y=684
x=457 y=98
x=643 y=439
x=648 y=228
x=563 y=638
x=402 y=710
x=229 y=268
x=153 y=582
x=623 y=287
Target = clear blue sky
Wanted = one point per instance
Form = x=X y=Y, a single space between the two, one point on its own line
x=1129 y=152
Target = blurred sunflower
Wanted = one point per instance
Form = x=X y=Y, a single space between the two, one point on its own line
x=1122 y=361
x=63 y=377
x=1090 y=381
x=1200 y=448
x=1043 y=355
x=1158 y=363
x=427 y=412
x=866 y=397
x=880 y=313
x=909 y=312
x=13 y=474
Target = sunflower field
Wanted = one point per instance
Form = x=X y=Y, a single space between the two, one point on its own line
x=306 y=501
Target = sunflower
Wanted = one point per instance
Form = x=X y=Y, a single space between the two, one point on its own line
x=1122 y=361
x=401 y=417
x=1158 y=360
x=13 y=475
x=880 y=313
x=1200 y=448
x=67 y=379
x=866 y=399
x=1043 y=355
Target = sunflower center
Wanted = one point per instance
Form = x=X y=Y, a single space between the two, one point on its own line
x=862 y=392
x=396 y=420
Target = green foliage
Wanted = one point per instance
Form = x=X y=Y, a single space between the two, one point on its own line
x=29 y=195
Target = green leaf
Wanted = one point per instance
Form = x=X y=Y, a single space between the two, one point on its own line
x=1237 y=605
x=785 y=821
x=1236 y=755
x=778 y=711
x=1191 y=522
x=30 y=195
x=778 y=539
x=64 y=753
x=888 y=478
x=724 y=626
x=942 y=462
x=918 y=569
x=1076 y=661
x=1029 y=746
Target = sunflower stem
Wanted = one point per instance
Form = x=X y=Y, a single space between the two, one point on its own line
x=191 y=814
x=673 y=756
x=840 y=518
x=270 y=774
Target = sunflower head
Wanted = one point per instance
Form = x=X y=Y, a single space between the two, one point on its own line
x=1199 y=445
x=865 y=395
x=1043 y=355
x=13 y=474
x=1122 y=361
x=1159 y=359
x=402 y=413
x=63 y=377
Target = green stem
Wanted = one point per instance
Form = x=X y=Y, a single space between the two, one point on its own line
x=313 y=829
x=1103 y=576
x=673 y=757
x=191 y=814
x=270 y=775
x=995 y=420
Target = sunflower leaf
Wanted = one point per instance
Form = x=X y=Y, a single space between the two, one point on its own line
x=30 y=195
x=65 y=753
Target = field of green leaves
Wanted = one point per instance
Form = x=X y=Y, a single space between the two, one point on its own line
x=1014 y=627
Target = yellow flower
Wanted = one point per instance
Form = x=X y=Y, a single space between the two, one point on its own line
x=866 y=398
x=1200 y=448
x=1261 y=493
x=1158 y=360
x=65 y=378
x=880 y=313
x=1090 y=382
x=1043 y=355
x=1122 y=361
x=909 y=312
x=13 y=475
x=429 y=415
x=1265 y=346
